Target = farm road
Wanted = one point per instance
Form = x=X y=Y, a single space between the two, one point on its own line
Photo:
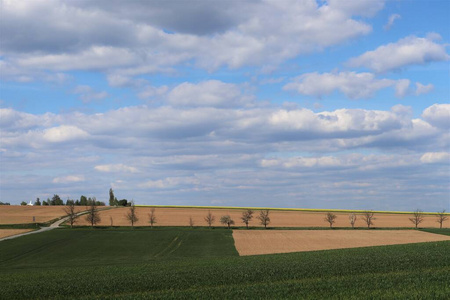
x=42 y=229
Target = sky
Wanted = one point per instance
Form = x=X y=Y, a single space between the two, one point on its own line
x=301 y=104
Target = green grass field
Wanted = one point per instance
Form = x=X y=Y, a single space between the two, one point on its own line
x=181 y=263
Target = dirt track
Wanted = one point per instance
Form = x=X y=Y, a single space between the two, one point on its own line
x=255 y=242
x=18 y=214
x=11 y=232
x=180 y=217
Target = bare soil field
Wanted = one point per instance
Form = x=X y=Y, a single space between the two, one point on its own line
x=11 y=232
x=180 y=217
x=18 y=214
x=255 y=242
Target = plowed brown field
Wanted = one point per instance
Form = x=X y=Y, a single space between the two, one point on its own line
x=180 y=217
x=11 y=232
x=18 y=214
x=255 y=242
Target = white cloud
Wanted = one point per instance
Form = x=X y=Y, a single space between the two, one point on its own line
x=116 y=168
x=402 y=88
x=423 y=89
x=68 y=179
x=15 y=120
x=211 y=93
x=354 y=161
x=63 y=133
x=438 y=115
x=358 y=7
x=391 y=21
x=353 y=85
x=303 y=162
x=411 y=50
x=194 y=154
x=435 y=157
x=229 y=129
x=111 y=36
x=88 y=94
x=169 y=182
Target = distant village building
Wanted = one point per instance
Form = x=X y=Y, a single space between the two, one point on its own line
x=30 y=204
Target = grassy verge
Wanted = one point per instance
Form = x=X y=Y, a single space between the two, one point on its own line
x=203 y=264
x=27 y=225
x=444 y=231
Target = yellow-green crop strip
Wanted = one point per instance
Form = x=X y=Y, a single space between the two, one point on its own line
x=285 y=209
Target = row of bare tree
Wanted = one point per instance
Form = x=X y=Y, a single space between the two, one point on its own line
x=246 y=217
x=368 y=217
x=93 y=217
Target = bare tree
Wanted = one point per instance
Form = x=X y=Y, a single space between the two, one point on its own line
x=247 y=216
x=210 y=219
x=352 y=219
x=93 y=216
x=191 y=222
x=152 y=217
x=417 y=217
x=131 y=214
x=70 y=211
x=441 y=218
x=227 y=220
x=330 y=217
x=368 y=217
x=264 y=218
x=111 y=220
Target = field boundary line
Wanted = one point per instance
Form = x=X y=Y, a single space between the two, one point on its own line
x=287 y=209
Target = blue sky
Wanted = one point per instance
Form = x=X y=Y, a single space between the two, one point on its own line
x=309 y=104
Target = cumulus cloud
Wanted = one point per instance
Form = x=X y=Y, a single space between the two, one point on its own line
x=229 y=128
x=64 y=133
x=211 y=93
x=68 y=179
x=353 y=85
x=391 y=21
x=110 y=35
x=12 y=119
x=117 y=168
x=204 y=153
x=438 y=115
x=365 y=8
x=435 y=157
x=411 y=50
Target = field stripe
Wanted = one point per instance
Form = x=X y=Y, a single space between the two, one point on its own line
x=286 y=209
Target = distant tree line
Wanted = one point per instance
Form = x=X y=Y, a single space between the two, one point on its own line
x=83 y=201
x=56 y=200
x=4 y=203
x=114 y=202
